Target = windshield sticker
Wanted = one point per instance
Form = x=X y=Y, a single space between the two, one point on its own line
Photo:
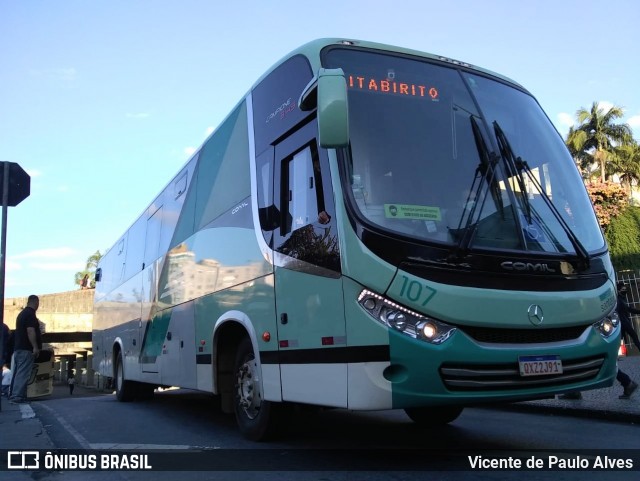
x=390 y=86
x=404 y=211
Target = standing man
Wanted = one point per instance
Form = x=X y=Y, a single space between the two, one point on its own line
x=625 y=311
x=27 y=345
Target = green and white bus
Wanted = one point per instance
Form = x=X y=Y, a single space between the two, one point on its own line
x=370 y=228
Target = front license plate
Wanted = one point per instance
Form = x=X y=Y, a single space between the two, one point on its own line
x=540 y=365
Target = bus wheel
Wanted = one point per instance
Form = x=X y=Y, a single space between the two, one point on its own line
x=434 y=416
x=256 y=417
x=125 y=390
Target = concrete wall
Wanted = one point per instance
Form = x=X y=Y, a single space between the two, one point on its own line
x=70 y=311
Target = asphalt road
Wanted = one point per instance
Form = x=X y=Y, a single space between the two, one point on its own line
x=328 y=444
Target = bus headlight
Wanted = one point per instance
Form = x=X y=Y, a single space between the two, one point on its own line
x=607 y=326
x=404 y=320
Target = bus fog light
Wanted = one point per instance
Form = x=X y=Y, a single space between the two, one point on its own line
x=428 y=330
x=608 y=325
x=435 y=332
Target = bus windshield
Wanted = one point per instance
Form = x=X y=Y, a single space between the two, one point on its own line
x=441 y=154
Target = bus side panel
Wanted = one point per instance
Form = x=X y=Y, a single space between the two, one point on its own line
x=117 y=319
x=314 y=352
x=368 y=388
x=251 y=305
x=243 y=283
x=107 y=341
x=177 y=365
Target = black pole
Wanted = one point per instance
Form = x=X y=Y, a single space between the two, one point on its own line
x=3 y=253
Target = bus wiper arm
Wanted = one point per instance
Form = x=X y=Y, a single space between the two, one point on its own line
x=581 y=251
x=484 y=172
x=517 y=165
x=511 y=166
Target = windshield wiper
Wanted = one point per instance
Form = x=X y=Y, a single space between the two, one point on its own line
x=484 y=172
x=577 y=245
x=512 y=170
x=517 y=165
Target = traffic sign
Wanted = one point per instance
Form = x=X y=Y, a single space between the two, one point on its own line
x=19 y=183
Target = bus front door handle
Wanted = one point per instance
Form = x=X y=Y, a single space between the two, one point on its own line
x=284 y=319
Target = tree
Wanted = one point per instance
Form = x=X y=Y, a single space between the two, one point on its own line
x=583 y=159
x=597 y=134
x=609 y=201
x=626 y=163
x=90 y=270
x=624 y=242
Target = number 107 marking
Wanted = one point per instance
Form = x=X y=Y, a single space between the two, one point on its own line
x=414 y=291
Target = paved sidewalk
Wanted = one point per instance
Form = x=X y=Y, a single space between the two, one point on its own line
x=21 y=429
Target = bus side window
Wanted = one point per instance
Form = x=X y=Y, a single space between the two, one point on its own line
x=268 y=213
x=301 y=193
x=306 y=229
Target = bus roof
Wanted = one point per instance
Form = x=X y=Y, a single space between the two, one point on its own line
x=312 y=50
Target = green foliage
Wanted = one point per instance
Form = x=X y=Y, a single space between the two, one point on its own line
x=596 y=136
x=625 y=162
x=609 y=200
x=623 y=236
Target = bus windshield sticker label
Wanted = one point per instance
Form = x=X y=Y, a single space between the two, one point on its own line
x=404 y=211
x=392 y=86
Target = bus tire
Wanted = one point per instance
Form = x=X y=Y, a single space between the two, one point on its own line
x=125 y=390
x=257 y=419
x=434 y=416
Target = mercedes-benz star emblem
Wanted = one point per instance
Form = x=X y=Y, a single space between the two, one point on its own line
x=535 y=314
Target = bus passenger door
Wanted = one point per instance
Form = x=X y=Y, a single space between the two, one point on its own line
x=308 y=285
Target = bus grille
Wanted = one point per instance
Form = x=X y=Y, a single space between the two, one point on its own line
x=522 y=336
x=471 y=377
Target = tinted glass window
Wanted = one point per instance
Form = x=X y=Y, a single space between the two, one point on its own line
x=307 y=229
x=275 y=101
x=425 y=160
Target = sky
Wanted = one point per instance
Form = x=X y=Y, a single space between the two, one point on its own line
x=103 y=101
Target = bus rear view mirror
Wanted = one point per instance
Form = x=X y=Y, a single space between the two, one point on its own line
x=328 y=92
x=333 y=110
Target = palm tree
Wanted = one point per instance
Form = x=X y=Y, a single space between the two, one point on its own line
x=598 y=134
x=626 y=163
x=583 y=159
x=92 y=261
x=90 y=269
